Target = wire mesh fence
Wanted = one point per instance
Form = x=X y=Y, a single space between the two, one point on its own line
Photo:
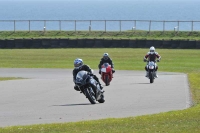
x=98 y=25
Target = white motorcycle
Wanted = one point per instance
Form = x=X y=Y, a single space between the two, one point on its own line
x=151 y=66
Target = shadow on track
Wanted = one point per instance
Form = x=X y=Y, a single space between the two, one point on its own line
x=140 y=83
x=75 y=104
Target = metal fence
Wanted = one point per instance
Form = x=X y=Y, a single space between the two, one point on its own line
x=98 y=25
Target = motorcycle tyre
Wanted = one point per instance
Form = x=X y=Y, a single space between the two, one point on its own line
x=151 y=77
x=90 y=97
x=107 y=80
x=102 y=100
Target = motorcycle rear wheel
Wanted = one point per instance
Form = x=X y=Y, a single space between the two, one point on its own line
x=102 y=100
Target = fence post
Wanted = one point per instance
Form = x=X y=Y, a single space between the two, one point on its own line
x=120 y=25
x=192 y=26
x=178 y=27
x=60 y=25
x=149 y=26
x=105 y=25
x=75 y=25
x=14 y=25
x=44 y=25
x=133 y=28
x=163 y=26
x=90 y=26
x=29 y=24
x=135 y=24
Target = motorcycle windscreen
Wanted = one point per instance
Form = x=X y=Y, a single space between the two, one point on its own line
x=151 y=65
x=105 y=65
x=81 y=77
x=104 y=68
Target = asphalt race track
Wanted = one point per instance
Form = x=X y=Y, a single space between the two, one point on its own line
x=47 y=96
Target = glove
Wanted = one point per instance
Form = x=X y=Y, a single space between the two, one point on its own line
x=158 y=60
x=145 y=60
x=113 y=70
x=99 y=71
x=91 y=74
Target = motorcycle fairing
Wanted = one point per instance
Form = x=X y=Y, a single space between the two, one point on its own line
x=103 y=70
x=98 y=90
x=81 y=77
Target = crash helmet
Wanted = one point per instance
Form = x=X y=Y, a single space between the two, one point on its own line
x=152 y=50
x=105 y=56
x=78 y=63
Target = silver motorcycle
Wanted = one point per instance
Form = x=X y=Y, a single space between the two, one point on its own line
x=89 y=87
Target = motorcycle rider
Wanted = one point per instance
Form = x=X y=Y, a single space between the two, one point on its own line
x=152 y=56
x=78 y=66
x=106 y=59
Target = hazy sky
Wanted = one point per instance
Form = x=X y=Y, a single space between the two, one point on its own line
x=105 y=0
x=92 y=9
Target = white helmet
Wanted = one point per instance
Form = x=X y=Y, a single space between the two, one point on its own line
x=152 y=50
x=78 y=63
x=105 y=56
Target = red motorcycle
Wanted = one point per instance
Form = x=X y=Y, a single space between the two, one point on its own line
x=106 y=73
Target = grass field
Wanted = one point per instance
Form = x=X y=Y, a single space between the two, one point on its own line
x=183 y=121
x=156 y=35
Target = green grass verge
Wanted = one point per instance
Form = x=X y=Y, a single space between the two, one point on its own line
x=185 y=121
x=178 y=60
x=156 y=35
x=9 y=78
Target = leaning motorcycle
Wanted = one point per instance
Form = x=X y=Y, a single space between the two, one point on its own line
x=106 y=73
x=151 y=66
x=89 y=87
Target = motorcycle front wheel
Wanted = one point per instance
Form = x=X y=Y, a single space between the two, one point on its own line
x=151 y=77
x=90 y=95
x=107 y=80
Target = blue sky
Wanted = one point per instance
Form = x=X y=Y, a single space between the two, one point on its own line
x=104 y=0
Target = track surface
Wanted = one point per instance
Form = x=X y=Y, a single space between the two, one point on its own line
x=47 y=96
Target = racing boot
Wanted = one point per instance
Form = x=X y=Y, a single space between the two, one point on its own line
x=113 y=71
x=76 y=88
x=147 y=74
x=101 y=87
x=156 y=74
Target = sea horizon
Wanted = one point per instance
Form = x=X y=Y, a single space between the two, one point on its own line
x=166 y=10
